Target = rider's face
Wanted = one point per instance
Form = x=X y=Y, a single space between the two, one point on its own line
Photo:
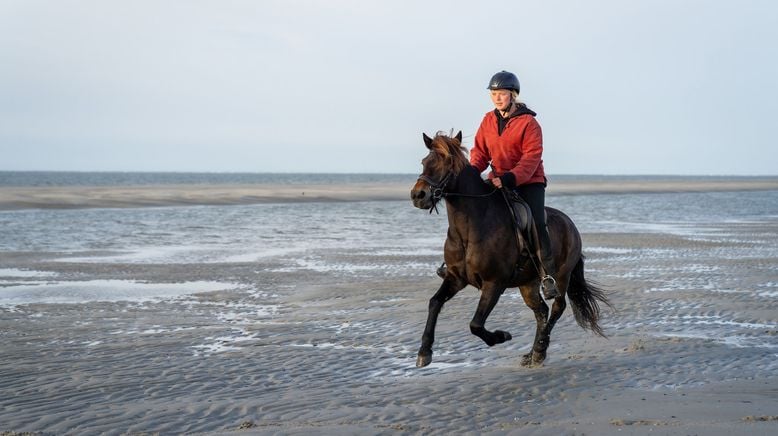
x=501 y=99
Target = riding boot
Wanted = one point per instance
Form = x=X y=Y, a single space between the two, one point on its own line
x=547 y=283
x=441 y=271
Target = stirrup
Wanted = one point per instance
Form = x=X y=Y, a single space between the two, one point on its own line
x=441 y=271
x=548 y=287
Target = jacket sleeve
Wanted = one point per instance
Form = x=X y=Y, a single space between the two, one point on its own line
x=531 y=153
x=479 y=155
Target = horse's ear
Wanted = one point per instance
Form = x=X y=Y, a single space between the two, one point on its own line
x=459 y=137
x=427 y=141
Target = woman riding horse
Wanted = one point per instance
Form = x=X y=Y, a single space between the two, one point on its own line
x=483 y=250
x=510 y=139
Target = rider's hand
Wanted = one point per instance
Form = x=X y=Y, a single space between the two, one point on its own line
x=496 y=182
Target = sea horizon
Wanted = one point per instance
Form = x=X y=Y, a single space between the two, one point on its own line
x=32 y=178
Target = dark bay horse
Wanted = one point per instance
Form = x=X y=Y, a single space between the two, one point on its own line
x=481 y=250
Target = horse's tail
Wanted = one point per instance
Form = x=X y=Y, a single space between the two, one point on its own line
x=585 y=298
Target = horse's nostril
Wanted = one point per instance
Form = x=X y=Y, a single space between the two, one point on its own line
x=419 y=195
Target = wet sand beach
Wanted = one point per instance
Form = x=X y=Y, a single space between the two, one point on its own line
x=267 y=347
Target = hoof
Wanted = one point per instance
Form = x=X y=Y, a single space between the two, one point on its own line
x=502 y=336
x=532 y=360
x=423 y=360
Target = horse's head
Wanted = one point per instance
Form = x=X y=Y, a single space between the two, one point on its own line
x=445 y=160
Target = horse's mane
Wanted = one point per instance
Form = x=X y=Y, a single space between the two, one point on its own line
x=450 y=149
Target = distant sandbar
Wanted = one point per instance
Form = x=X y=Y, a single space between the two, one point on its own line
x=72 y=197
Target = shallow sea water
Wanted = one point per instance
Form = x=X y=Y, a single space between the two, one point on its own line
x=372 y=240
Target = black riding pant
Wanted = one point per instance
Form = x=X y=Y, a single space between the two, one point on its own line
x=535 y=196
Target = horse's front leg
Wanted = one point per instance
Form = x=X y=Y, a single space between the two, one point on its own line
x=490 y=295
x=447 y=290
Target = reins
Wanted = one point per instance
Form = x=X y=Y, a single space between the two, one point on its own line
x=438 y=190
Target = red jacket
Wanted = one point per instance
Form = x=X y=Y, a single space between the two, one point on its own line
x=519 y=149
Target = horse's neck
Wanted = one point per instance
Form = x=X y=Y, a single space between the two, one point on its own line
x=469 y=182
x=467 y=211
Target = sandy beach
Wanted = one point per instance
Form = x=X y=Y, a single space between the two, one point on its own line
x=259 y=347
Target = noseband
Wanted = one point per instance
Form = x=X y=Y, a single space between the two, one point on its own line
x=436 y=188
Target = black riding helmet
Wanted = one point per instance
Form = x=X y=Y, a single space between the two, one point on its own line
x=504 y=80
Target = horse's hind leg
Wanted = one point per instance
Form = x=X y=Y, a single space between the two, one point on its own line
x=559 y=304
x=446 y=292
x=545 y=321
x=533 y=300
x=490 y=295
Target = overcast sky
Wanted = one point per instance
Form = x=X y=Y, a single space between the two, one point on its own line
x=620 y=87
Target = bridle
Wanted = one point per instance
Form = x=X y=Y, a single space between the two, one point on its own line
x=437 y=188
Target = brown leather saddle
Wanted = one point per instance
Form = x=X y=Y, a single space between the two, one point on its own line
x=522 y=216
